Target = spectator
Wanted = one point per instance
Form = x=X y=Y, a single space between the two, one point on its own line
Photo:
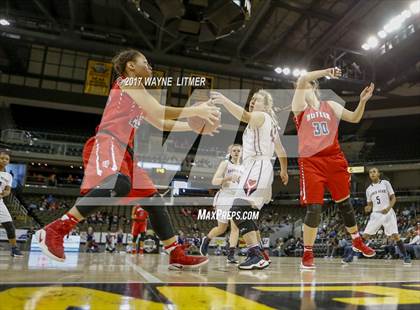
x=110 y=243
x=120 y=237
x=279 y=248
x=91 y=245
x=52 y=180
x=332 y=246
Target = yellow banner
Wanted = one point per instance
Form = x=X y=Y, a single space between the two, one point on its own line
x=98 y=78
x=356 y=169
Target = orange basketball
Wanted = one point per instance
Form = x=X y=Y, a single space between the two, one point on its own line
x=202 y=126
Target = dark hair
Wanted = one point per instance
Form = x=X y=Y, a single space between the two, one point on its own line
x=120 y=60
x=5 y=151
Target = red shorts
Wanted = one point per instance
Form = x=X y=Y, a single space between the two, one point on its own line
x=104 y=156
x=318 y=173
x=138 y=228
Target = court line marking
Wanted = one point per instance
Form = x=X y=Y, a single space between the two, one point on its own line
x=146 y=275
x=205 y=283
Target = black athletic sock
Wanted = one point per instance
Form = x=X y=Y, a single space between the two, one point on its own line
x=401 y=246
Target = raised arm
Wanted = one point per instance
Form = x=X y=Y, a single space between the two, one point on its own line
x=148 y=103
x=298 y=102
x=356 y=115
x=254 y=119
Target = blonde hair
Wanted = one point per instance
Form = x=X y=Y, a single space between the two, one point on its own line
x=268 y=104
x=228 y=156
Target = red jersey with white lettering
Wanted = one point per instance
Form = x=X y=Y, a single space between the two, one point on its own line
x=322 y=164
x=318 y=131
x=122 y=116
x=111 y=150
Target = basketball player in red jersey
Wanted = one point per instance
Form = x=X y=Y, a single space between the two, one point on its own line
x=321 y=161
x=139 y=227
x=109 y=164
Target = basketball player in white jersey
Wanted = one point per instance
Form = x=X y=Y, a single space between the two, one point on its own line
x=259 y=141
x=5 y=189
x=380 y=200
x=227 y=175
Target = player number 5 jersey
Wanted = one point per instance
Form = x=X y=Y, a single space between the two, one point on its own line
x=379 y=194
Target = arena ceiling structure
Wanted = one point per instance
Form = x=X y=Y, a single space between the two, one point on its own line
x=267 y=39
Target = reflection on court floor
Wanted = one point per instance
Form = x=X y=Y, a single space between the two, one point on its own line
x=116 y=281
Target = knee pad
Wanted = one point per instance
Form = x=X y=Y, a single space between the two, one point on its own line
x=244 y=225
x=142 y=236
x=313 y=215
x=347 y=213
x=10 y=230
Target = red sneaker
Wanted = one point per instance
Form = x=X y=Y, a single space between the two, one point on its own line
x=307 y=260
x=266 y=256
x=179 y=260
x=360 y=246
x=51 y=241
x=141 y=252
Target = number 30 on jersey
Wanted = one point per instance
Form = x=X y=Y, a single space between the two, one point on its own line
x=320 y=128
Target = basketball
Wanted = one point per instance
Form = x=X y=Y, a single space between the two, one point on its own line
x=202 y=126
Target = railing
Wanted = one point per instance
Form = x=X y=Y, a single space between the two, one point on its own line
x=18 y=211
x=14 y=205
x=24 y=141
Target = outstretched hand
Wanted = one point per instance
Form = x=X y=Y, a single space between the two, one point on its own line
x=333 y=73
x=208 y=112
x=217 y=98
x=367 y=92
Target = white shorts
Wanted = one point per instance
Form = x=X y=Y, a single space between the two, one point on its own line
x=256 y=181
x=377 y=220
x=222 y=202
x=4 y=213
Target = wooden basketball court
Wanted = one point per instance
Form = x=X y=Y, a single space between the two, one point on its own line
x=123 y=281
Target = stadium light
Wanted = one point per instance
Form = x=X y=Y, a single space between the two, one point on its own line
x=394 y=24
x=286 y=71
x=366 y=46
x=4 y=22
x=406 y=14
x=372 y=42
x=382 y=34
x=415 y=7
x=303 y=72
x=278 y=70
x=296 y=72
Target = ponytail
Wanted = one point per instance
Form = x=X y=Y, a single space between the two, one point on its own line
x=268 y=103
